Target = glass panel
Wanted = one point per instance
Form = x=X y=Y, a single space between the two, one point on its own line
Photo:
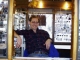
x=3 y=27
x=48 y=26
x=19 y=24
x=78 y=56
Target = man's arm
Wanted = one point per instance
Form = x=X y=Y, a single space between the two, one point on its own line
x=48 y=40
x=48 y=43
x=15 y=34
x=19 y=40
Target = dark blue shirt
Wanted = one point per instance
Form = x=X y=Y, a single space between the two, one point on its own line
x=34 y=41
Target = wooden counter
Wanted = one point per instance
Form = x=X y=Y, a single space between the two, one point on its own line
x=3 y=59
x=33 y=58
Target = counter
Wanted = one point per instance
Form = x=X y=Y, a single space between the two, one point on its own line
x=37 y=58
x=33 y=58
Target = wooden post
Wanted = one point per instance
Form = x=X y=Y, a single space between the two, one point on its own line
x=10 y=29
x=75 y=30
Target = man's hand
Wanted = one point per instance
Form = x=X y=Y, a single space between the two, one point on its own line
x=19 y=42
x=47 y=43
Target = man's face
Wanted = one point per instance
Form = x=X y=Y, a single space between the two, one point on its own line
x=34 y=23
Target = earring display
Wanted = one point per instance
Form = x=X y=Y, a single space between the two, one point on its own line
x=19 y=21
x=63 y=22
x=3 y=26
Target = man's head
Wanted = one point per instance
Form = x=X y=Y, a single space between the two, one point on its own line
x=34 y=22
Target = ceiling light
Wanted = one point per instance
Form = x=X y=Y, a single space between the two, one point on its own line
x=66 y=5
x=40 y=4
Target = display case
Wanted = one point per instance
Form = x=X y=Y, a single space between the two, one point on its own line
x=3 y=27
x=63 y=27
x=58 y=25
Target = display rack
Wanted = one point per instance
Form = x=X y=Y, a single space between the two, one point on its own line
x=19 y=20
x=63 y=26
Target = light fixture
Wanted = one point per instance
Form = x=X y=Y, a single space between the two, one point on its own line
x=33 y=3
x=66 y=6
x=36 y=4
x=40 y=4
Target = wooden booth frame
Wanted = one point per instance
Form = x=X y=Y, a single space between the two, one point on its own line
x=74 y=35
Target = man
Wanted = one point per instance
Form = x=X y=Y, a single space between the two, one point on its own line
x=37 y=41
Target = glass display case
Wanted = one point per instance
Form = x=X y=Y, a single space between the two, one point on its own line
x=3 y=27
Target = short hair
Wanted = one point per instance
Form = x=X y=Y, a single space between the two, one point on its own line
x=33 y=16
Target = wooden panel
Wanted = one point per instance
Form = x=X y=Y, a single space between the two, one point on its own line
x=75 y=30
x=47 y=4
x=3 y=59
